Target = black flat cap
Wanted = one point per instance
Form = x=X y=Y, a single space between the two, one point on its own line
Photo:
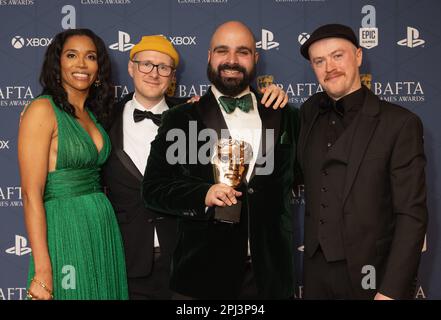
x=329 y=31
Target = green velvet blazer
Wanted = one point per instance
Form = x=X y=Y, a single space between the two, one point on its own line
x=209 y=258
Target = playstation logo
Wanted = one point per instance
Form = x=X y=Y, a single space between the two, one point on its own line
x=20 y=248
x=412 y=39
x=267 y=42
x=123 y=43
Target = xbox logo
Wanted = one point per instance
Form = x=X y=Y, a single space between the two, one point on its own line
x=303 y=37
x=17 y=42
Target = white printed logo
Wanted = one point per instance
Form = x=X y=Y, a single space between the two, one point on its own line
x=412 y=39
x=183 y=41
x=69 y=21
x=18 y=42
x=20 y=248
x=303 y=37
x=123 y=43
x=368 y=33
x=4 y=144
x=267 y=42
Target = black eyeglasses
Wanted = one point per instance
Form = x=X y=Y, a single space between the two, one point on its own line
x=147 y=67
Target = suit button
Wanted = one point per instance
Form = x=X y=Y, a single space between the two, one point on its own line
x=325 y=173
x=324 y=206
x=324 y=189
x=322 y=221
x=250 y=190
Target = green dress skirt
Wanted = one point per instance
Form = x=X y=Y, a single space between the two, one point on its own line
x=84 y=241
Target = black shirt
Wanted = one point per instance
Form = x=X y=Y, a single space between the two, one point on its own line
x=336 y=116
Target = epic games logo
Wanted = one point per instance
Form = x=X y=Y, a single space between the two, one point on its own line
x=368 y=33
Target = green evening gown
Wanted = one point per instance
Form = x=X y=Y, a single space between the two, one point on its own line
x=85 y=244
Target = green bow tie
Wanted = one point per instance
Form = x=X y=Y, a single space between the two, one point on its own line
x=244 y=103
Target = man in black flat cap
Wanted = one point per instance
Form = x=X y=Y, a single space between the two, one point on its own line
x=363 y=163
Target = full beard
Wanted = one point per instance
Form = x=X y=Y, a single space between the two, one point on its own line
x=230 y=86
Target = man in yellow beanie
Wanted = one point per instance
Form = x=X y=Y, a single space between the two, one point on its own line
x=148 y=238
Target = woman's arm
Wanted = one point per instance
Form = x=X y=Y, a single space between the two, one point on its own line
x=35 y=139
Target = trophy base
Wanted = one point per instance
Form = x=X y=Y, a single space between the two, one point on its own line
x=229 y=214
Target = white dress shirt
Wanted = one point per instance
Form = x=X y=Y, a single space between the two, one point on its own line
x=137 y=136
x=245 y=126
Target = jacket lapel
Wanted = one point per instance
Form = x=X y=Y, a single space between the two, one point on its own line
x=271 y=120
x=117 y=138
x=367 y=122
x=207 y=111
x=305 y=135
x=210 y=114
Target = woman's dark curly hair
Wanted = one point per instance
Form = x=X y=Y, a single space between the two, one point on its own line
x=101 y=98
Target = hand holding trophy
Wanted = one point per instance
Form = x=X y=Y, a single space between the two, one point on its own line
x=230 y=162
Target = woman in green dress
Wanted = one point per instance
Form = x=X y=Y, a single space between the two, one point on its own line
x=77 y=250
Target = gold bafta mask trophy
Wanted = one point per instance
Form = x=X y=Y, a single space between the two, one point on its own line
x=230 y=165
x=366 y=79
x=265 y=81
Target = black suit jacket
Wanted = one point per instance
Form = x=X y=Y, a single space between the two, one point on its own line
x=210 y=257
x=384 y=217
x=122 y=181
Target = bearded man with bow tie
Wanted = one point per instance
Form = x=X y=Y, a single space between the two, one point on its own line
x=213 y=259
x=149 y=238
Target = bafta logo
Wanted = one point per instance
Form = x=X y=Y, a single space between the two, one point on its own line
x=366 y=79
x=171 y=88
x=264 y=81
x=230 y=166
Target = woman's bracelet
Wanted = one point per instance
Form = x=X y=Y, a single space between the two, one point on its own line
x=41 y=284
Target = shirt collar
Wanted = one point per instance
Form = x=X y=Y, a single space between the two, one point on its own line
x=217 y=94
x=354 y=100
x=160 y=107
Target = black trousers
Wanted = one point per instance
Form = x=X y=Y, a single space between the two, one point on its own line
x=324 y=280
x=156 y=285
x=248 y=289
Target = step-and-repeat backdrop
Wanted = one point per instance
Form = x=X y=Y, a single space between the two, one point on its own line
x=402 y=52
